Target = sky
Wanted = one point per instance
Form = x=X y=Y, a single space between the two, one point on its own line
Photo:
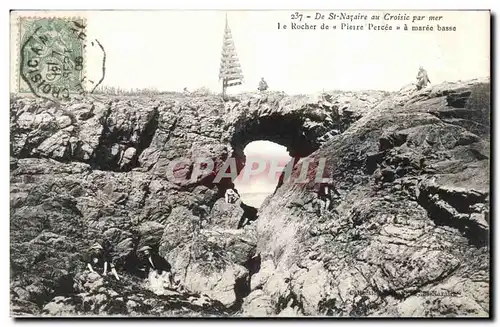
x=170 y=50
x=271 y=153
x=254 y=192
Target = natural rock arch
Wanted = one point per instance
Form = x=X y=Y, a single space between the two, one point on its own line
x=288 y=130
x=295 y=122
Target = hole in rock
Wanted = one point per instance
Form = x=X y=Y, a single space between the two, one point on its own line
x=292 y=136
x=264 y=163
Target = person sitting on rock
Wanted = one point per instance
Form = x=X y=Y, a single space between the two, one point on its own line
x=422 y=78
x=231 y=196
x=326 y=194
x=98 y=261
x=160 y=266
x=262 y=85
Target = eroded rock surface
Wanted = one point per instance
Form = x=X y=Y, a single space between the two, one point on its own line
x=409 y=234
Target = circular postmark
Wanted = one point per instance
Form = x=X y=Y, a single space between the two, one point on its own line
x=51 y=58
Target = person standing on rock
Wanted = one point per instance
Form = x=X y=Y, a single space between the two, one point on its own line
x=325 y=194
x=98 y=261
x=422 y=78
x=160 y=266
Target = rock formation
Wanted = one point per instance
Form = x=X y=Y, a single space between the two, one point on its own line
x=407 y=237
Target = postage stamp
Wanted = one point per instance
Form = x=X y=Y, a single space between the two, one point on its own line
x=51 y=57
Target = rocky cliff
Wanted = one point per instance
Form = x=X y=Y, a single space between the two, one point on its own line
x=408 y=235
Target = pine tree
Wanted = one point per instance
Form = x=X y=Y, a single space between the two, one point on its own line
x=230 y=69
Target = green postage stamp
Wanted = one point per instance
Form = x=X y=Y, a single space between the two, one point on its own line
x=51 y=57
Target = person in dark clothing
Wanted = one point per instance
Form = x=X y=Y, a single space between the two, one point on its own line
x=326 y=194
x=155 y=262
x=249 y=214
x=99 y=261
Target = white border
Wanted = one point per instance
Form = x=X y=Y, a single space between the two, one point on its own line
x=187 y=4
x=253 y=4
